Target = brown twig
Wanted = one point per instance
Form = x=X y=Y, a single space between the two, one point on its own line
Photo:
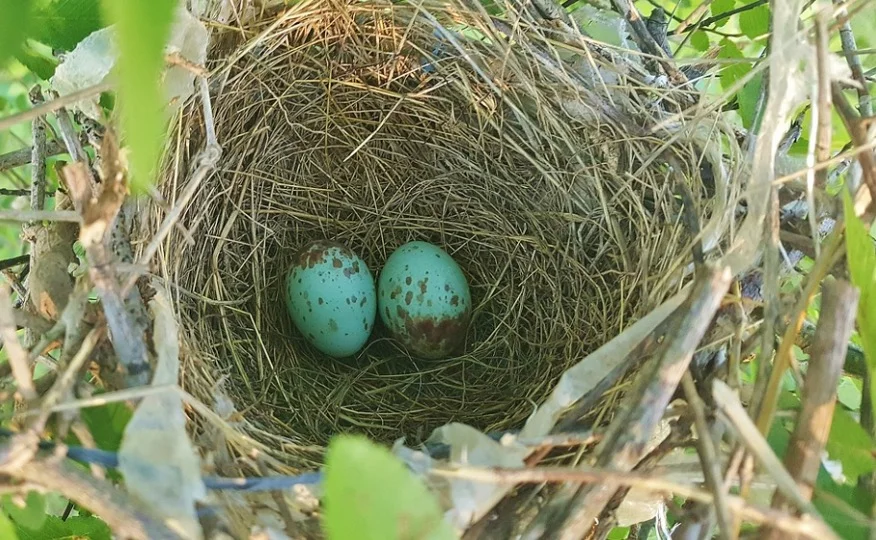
x=839 y=301
x=14 y=261
x=622 y=447
x=23 y=216
x=831 y=253
x=16 y=354
x=53 y=105
x=647 y=42
x=114 y=506
x=17 y=158
x=804 y=526
x=850 y=49
x=858 y=133
x=823 y=128
x=708 y=456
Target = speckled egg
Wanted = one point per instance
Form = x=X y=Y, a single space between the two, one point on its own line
x=424 y=300
x=331 y=297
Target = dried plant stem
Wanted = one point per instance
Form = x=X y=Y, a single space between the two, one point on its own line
x=708 y=456
x=832 y=251
x=39 y=215
x=53 y=105
x=839 y=301
x=806 y=527
x=126 y=518
x=850 y=50
x=17 y=158
x=16 y=354
x=621 y=450
x=855 y=127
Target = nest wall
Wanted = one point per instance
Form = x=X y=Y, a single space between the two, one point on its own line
x=344 y=121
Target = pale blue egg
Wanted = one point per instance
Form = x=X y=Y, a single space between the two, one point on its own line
x=424 y=300
x=331 y=297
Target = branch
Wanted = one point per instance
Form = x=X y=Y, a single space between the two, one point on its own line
x=621 y=450
x=14 y=261
x=839 y=301
x=39 y=215
x=16 y=354
x=53 y=105
x=854 y=126
x=17 y=158
x=114 y=506
x=850 y=49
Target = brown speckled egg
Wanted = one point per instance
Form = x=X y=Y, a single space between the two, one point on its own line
x=331 y=296
x=424 y=301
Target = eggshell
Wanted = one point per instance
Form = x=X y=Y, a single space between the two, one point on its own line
x=424 y=300
x=331 y=296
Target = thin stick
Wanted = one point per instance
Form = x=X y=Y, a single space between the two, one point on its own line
x=622 y=447
x=823 y=128
x=40 y=215
x=853 y=59
x=860 y=138
x=731 y=408
x=38 y=155
x=14 y=261
x=15 y=353
x=805 y=526
x=708 y=456
x=17 y=158
x=53 y=105
x=839 y=302
x=126 y=518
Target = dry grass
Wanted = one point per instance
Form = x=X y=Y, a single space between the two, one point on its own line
x=564 y=223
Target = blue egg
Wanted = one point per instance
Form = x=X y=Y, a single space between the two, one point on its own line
x=331 y=297
x=424 y=300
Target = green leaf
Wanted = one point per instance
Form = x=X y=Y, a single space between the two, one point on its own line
x=755 y=22
x=62 y=24
x=847 y=527
x=32 y=515
x=143 y=27
x=747 y=98
x=43 y=66
x=722 y=6
x=849 y=394
x=16 y=19
x=74 y=528
x=699 y=40
x=861 y=257
x=7 y=529
x=107 y=424
x=370 y=494
x=850 y=445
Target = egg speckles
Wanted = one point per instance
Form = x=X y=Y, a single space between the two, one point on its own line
x=331 y=297
x=424 y=300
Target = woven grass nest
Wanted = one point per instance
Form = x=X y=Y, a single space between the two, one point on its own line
x=374 y=124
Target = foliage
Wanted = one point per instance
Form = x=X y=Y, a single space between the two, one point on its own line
x=143 y=27
x=369 y=494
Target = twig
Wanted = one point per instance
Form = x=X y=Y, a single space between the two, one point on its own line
x=853 y=124
x=805 y=526
x=40 y=215
x=831 y=253
x=126 y=518
x=622 y=447
x=708 y=456
x=847 y=38
x=839 y=301
x=721 y=16
x=71 y=139
x=53 y=105
x=16 y=354
x=732 y=410
x=38 y=155
x=17 y=158
x=14 y=261
x=821 y=122
x=646 y=41
x=21 y=192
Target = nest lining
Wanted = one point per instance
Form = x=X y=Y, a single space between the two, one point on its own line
x=331 y=128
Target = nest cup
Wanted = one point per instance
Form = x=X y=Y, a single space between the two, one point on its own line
x=354 y=122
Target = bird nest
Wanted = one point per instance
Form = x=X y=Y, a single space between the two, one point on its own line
x=374 y=124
